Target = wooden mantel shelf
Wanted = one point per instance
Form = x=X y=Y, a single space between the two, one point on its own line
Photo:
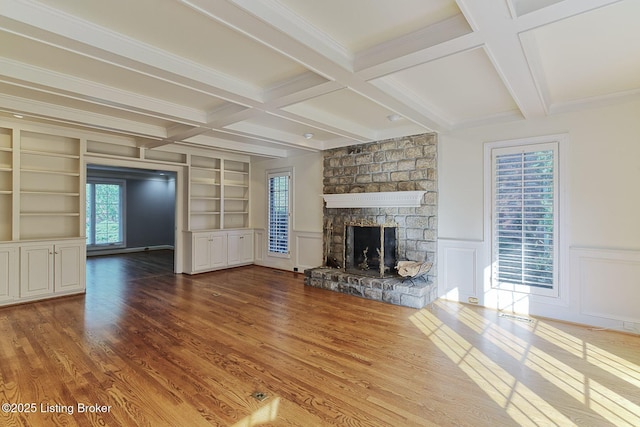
x=374 y=200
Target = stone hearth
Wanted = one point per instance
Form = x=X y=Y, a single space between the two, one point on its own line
x=415 y=293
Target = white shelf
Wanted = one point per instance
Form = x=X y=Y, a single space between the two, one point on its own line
x=50 y=193
x=205 y=169
x=7 y=149
x=205 y=213
x=49 y=214
x=204 y=181
x=50 y=172
x=50 y=154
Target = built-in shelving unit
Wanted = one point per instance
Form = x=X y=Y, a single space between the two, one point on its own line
x=236 y=194
x=218 y=194
x=6 y=184
x=42 y=248
x=205 y=193
x=49 y=186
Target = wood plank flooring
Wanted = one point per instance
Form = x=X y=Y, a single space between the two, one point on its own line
x=150 y=348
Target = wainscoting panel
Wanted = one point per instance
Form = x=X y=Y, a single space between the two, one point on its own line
x=258 y=245
x=460 y=277
x=308 y=247
x=305 y=251
x=608 y=283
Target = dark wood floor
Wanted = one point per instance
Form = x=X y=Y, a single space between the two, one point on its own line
x=160 y=349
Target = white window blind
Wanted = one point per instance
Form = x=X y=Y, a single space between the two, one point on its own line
x=279 y=206
x=524 y=223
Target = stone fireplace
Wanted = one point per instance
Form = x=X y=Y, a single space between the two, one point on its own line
x=402 y=170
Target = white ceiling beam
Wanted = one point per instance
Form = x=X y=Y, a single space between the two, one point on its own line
x=42 y=80
x=422 y=56
x=50 y=26
x=72 y=116
x=412 y=43
x=280 y=35
x=299 y=29
x=236 y=143
x=493 y=21
x=53 y=27
x=558 y=11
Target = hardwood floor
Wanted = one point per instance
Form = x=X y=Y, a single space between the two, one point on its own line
x=151 y=348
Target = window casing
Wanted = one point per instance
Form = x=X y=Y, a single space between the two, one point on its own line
x=525 y=221
x=105 y=225
x=279 y=212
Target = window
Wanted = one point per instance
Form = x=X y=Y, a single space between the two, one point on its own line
x=105 y=223
x=279 y=203
x=525 y=212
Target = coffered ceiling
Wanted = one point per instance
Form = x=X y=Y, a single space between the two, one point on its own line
x=256 y=76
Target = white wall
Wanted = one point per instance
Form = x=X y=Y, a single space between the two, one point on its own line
x=306 y=233
x=603 y=222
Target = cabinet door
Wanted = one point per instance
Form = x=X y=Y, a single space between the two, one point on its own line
x=240 y=248
x=246 y=247
x=69 y=267
x=219 y=250
x=201 y=252
x=8 y=274
x=36 y=270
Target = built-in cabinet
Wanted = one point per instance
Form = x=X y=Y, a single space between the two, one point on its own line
x=209 y=251
x=215 y=250
x=8 y=273
x=239 y=247
x=41 y=218
x=52 y=268
x=218 y=235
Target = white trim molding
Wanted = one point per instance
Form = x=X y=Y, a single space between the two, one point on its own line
x=390 y=199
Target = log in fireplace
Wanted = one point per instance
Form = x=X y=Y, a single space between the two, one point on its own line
x=370 y=249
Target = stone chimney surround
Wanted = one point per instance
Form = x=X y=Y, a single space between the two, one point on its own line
x=369 y=182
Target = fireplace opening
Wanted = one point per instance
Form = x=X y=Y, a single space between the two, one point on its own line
x=370 y=249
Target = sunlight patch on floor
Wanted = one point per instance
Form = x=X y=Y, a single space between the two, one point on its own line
x=603 y=401
x=267 y=414
x=520 y=403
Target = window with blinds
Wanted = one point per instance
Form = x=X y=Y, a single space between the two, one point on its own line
x=524 y=218
x=279 y=204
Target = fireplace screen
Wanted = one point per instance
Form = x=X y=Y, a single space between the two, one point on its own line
x=370 y=249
